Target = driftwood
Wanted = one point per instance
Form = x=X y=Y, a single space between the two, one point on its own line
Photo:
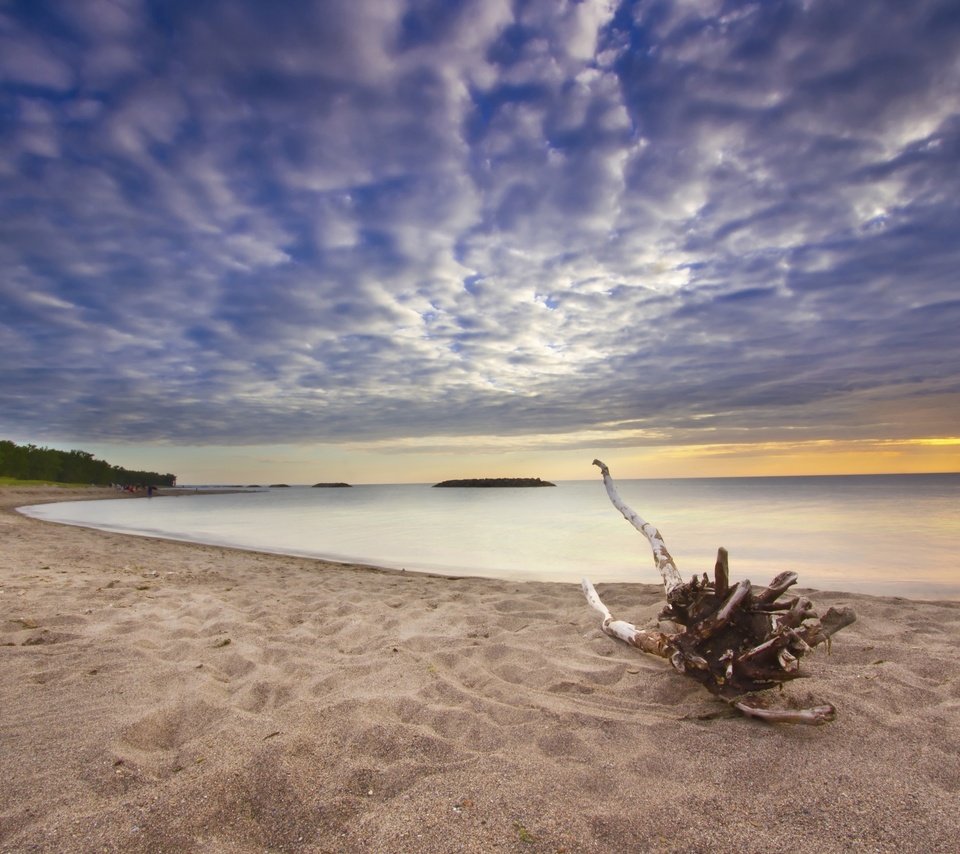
x=735 y=640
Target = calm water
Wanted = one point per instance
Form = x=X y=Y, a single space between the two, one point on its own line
x=888 y=535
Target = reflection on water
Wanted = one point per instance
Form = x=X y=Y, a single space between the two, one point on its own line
x=890 y=535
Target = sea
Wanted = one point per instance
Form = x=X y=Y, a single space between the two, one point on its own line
x=889 y=535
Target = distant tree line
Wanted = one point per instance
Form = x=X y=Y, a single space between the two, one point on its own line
x=28 y=462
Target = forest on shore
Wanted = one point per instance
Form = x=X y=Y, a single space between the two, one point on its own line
x=28 y=462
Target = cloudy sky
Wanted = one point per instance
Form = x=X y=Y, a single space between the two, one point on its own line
x=404 y=239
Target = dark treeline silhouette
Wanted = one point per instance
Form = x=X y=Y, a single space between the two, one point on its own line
x=28 y=462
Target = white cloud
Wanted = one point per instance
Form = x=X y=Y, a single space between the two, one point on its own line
x=393 y=222
x=24 y=60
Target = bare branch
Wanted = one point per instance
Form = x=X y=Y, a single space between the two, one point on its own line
x=721 y=572
x=661 y=557
x=735 y=641
x=652 y=642
x=815 y=715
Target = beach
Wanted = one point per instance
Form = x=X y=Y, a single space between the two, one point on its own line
x=164 y=696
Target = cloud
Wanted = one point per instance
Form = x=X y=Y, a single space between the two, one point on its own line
x=415 y=222
x=29 y=62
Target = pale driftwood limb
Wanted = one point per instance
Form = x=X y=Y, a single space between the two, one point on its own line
x=736 y=641
x=661 y=557
x=649 y=641
x=814 y=715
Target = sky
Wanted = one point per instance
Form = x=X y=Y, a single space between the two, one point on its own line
x=404 y=240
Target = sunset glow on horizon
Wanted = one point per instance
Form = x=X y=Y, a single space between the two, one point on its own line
x=262 y=465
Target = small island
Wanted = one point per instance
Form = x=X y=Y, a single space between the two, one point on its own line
x=331 y=485
x=279 y=485
x=496 y=481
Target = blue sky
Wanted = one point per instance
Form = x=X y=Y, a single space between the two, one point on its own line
x=399 y=240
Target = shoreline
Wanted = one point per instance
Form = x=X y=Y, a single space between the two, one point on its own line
x=160 y=695
x=812 y=582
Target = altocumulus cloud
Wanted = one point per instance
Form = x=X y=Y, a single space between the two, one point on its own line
x=242 y=222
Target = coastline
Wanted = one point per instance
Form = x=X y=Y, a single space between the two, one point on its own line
x=167 y=696
x=555 y=534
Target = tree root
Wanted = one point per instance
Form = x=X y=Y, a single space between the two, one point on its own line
x=735 y=641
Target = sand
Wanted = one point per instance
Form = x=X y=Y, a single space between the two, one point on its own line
x=158 y=696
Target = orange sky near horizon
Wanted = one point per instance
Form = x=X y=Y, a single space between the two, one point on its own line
x=363 y=464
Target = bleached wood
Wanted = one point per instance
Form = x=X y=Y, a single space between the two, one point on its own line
x=649 y=641
x=814 y=715
x=593 y=599
x=736 y=641
x=661 y=557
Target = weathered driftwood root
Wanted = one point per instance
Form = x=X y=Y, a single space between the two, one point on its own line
x=735 y=640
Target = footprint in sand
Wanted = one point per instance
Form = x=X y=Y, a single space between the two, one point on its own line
x=171 y=727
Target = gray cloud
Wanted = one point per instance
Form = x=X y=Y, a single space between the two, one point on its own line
x=366 y=221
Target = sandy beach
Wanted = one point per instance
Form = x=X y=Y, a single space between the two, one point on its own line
x=158 y=696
